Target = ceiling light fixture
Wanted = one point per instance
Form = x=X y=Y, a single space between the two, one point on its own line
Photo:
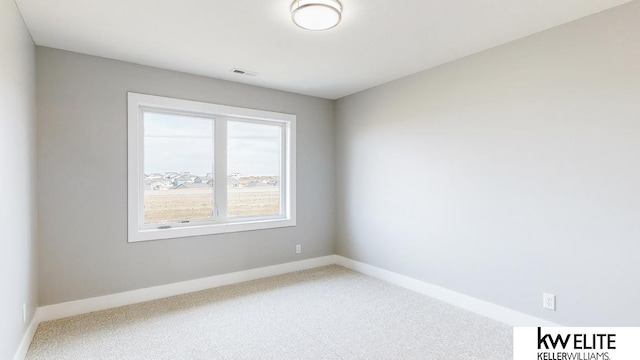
x=316 y=15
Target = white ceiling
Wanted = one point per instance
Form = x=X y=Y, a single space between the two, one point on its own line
x=377 y=41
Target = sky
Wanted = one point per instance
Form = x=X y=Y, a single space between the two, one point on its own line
x=184 y=143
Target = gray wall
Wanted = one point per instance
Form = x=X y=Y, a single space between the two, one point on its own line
x=18 y=268
x=82 y=181
x=507 y=173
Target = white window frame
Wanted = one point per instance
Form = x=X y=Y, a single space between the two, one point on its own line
x=138 y=231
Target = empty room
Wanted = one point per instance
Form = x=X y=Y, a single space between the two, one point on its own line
x=320 y=179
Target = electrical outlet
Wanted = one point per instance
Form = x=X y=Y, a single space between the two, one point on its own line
x=549 y=301
x=298 y=249
x=24 y=313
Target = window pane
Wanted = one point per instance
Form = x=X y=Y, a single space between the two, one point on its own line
x=178 y=167
x=254 y=167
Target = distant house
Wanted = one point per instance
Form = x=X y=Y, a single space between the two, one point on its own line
x=151 y=182
x=192 y=186
x=197 y=180
x=232 y=182
x=182 y=179
x=161 y=185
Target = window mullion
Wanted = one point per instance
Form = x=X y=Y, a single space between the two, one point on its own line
x=284 y=178
x=220 y=168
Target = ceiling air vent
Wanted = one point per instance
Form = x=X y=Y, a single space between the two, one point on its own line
x=244 y=72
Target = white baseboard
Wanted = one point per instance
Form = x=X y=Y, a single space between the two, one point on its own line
x=481 y=307
x=21 y=353
x=77 y=307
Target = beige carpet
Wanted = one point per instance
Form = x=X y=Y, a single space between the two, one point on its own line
x=324 y=313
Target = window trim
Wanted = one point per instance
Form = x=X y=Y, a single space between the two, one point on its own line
x=137 y=231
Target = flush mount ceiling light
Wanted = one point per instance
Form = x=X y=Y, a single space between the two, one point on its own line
x=316 y=15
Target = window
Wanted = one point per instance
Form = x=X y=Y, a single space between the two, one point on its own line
x=198 y=168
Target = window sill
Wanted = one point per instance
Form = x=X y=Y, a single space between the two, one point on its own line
x=137 y=235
